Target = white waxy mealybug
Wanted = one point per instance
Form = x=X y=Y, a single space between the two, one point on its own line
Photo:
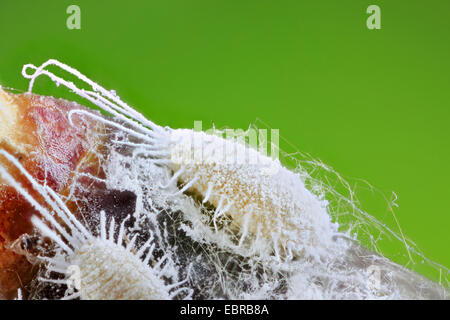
x=264 y=199
x=106 y=268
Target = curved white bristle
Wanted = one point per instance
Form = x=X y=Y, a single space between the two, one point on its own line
x=122 y=231
x=77 y=228
x=109 y=123
x=144 y=247
x=19 y=294
x=102 y=225
x=46 y=231
x=111 y=230
x=119 y=105
x=131 y=244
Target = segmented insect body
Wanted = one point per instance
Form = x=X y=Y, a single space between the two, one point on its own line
x=264 y=199
x=105 y=267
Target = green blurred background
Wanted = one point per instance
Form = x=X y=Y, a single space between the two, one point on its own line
x=373 y=104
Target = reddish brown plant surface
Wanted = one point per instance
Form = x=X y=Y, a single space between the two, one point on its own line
x=37 y=131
